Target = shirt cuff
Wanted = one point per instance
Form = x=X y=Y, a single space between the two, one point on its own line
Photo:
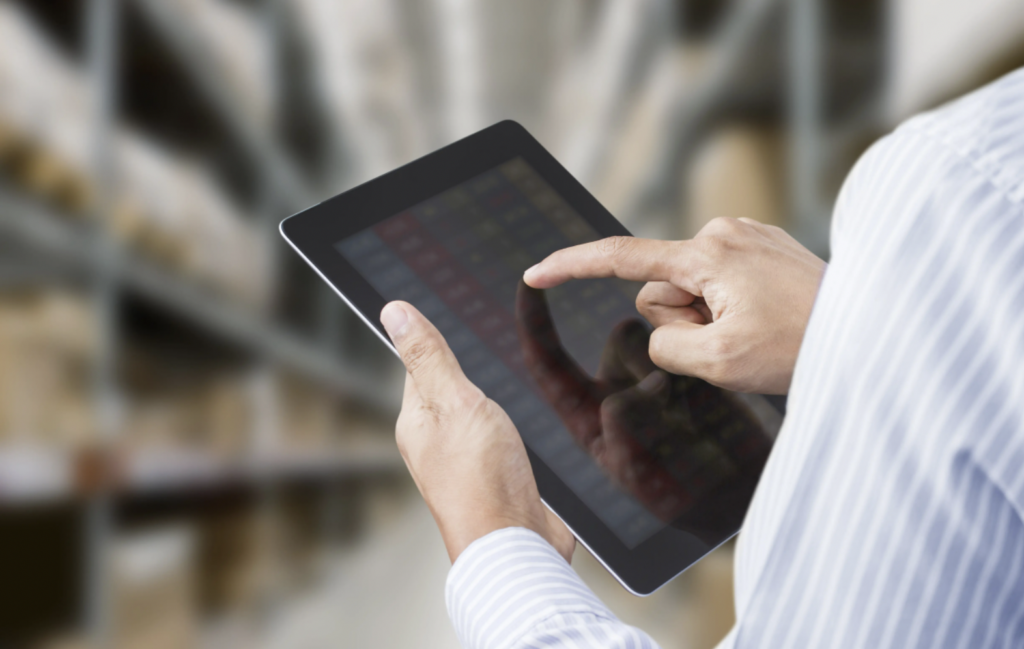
x=510 y=582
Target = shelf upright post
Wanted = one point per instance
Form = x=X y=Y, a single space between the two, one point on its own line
x=267 y=417
x=692 y=104
x=805 y=107
x=101 y=39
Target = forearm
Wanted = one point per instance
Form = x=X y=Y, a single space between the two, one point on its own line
x=512 y=589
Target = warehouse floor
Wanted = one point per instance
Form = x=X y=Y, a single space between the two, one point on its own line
x=389 y=593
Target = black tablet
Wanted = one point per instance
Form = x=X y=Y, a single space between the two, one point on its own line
x=650 y=471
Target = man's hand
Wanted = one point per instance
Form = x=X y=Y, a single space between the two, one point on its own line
x=729 y=306
x=461 y=448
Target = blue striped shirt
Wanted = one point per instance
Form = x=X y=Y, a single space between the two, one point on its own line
x=890 y=512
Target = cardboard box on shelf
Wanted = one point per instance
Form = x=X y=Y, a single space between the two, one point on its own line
x=39 y=406
x=59 y=161
x=164 y=204
x=47 y=174
x=44 y=111
x=640 y=143
x=736 y=172
x=314 y=425
x=223 y=248
x=166 y=421
x=47 y=343
x=239 y=48
x=301 y=540
x=153 y=602
x=170 y=208
x=9 y=141
x=308 y=414
x=54 y=317
x=194 y=410
x=227 y=414
x=234 y=554
x=153 y=211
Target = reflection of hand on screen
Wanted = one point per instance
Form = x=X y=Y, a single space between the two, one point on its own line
x=672 y=442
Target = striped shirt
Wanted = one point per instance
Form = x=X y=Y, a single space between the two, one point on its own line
x=891 y=511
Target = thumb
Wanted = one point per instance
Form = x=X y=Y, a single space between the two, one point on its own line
x=690 y=349
x=427 y=357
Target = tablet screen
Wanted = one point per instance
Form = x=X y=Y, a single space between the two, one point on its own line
x=643 y=449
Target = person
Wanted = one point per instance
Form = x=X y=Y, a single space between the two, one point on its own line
x=889 y=513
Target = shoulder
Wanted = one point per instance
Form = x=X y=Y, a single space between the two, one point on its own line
x=972 y=145
x=984 y=128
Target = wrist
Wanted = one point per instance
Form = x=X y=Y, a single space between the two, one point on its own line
x=460 y=535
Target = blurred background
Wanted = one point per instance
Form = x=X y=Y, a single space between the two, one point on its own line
x=196 y=442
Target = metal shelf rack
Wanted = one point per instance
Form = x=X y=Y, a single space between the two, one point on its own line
x=86 y=248
x=61 y=237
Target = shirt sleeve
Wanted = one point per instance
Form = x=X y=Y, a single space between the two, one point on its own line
x=511 y=589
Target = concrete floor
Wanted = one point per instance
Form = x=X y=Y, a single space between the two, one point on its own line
x=388 y=592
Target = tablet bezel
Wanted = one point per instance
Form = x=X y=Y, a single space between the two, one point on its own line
x=313 y=233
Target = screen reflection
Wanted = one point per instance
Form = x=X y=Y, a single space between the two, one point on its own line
x=690 y=452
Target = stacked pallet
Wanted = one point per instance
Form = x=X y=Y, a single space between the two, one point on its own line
x=48 y=345
x=238 y=45
x=165 y=206
x=737 y=172
x=44 y=103
x=168 y=208
x=153 y=603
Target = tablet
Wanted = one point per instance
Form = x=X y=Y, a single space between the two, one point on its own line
x=650 y=471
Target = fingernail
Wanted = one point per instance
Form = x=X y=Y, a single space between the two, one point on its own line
x=395 y=320
x=530 y=271
x=653 y=382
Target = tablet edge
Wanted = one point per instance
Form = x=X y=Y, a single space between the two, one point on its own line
x=362 y=317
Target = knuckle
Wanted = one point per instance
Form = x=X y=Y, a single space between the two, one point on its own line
x=644 y=298
x=401 y=440
x=435 y=414
x=419 y=354
x=658 y=348
x=713 y=246
x=614 y=247
x=719 y=349
x=720 y=359
x=469 y=399
x=648 y=312
x=406 y=431
x=722 y=225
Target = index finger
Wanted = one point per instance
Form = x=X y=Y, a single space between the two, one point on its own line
x=642 y=260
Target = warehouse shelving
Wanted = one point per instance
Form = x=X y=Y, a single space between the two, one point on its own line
x=194 y=54
x=99 y=477
x=815 y=137
x=36 y=475
x=692 y=104
x=62 y=237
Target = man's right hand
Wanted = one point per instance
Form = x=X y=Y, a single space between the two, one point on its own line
x=729 y=306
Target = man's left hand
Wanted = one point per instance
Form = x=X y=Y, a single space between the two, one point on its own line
x=463 y=451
